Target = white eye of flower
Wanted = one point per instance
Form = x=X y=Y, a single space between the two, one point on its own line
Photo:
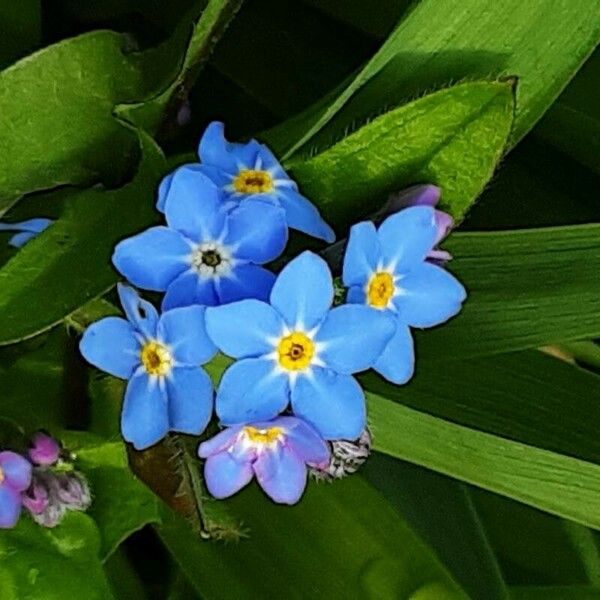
x=211 y=259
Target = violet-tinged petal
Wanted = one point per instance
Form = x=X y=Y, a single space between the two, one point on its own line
x=281 y=474
x=223 y=440
x=35 y=499
x=225 y=476
x=10 y=506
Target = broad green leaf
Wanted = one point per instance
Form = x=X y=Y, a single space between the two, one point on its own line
x=121 y=504
x=125 y=582
x=341 y=541
x=452 y=138
x=526 y=289
x=209 y=27
x=56 y=115
x=32 y=375
x=439 y=42
x=52 y=564
x=552 y=482
x=21 y=29
x=455 y=533
x=535 y=399
x=69 y=264
x=567 y=592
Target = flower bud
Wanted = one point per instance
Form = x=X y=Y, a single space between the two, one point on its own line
x=43 y=450
x=72 y=490
x=346 y=458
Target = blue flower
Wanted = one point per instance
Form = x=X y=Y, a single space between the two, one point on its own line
x=250 y=174
x=387 y=270
x=160 y=356
x=205 y=255
x=276 y=452
x=15 y=477
x=27 y=230
x=297 y=347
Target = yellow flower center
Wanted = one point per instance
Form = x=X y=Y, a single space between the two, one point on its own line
x=380 y=290
x=1 y=475
x=249 y=181
x=157 y=360
x=263 y=436
x=295 y=351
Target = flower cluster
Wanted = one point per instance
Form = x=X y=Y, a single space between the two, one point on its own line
x=43 y=482
x=290 y=397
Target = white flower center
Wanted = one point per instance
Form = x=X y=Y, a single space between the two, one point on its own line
x=211 y=259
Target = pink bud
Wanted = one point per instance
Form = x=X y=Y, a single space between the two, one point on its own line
x=43 y=449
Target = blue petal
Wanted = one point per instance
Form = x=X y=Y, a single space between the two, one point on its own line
x=36 y=225
x=362 y=254
x=141 y=314
x=305 y=442
x=216 y=151
x=243 y=329
x=257 y=232
x=225 y=476
x=429 y=296
x=111 y=345
x=184 y=330
x=222 y=441
x=153 y=258
x=190 y=400
x=281 y=474
x=189 y=288
x=333 y=404
x=245 y=281
x=353 y=337
x=397 y=361
x=20 y=239
x=163 y=191
x=16 y=470
x=302 y=215
x=356 y=295
x=303 y=292
x=407 y=237
x=145 y=417
x=269 y=162
x=193 y=206
x=10 y=507
x=251 y=390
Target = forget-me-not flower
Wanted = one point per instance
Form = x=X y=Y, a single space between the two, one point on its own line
x=15 y=477
x=298 y=348
x=387 y=270
x=161 y=357
x=205 y=255
x=250 y=174
x=276 y=452
x=26 y=230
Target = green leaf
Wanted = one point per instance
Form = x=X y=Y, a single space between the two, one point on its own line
x=121 y=504
x=52 y=564
x=526 y=289
x=456 y=534
x=558 y=484
x=340 y=541
x=439 y=42
x=56 y=115
x=452 y=138
x=69 y=264
x=535 y=399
